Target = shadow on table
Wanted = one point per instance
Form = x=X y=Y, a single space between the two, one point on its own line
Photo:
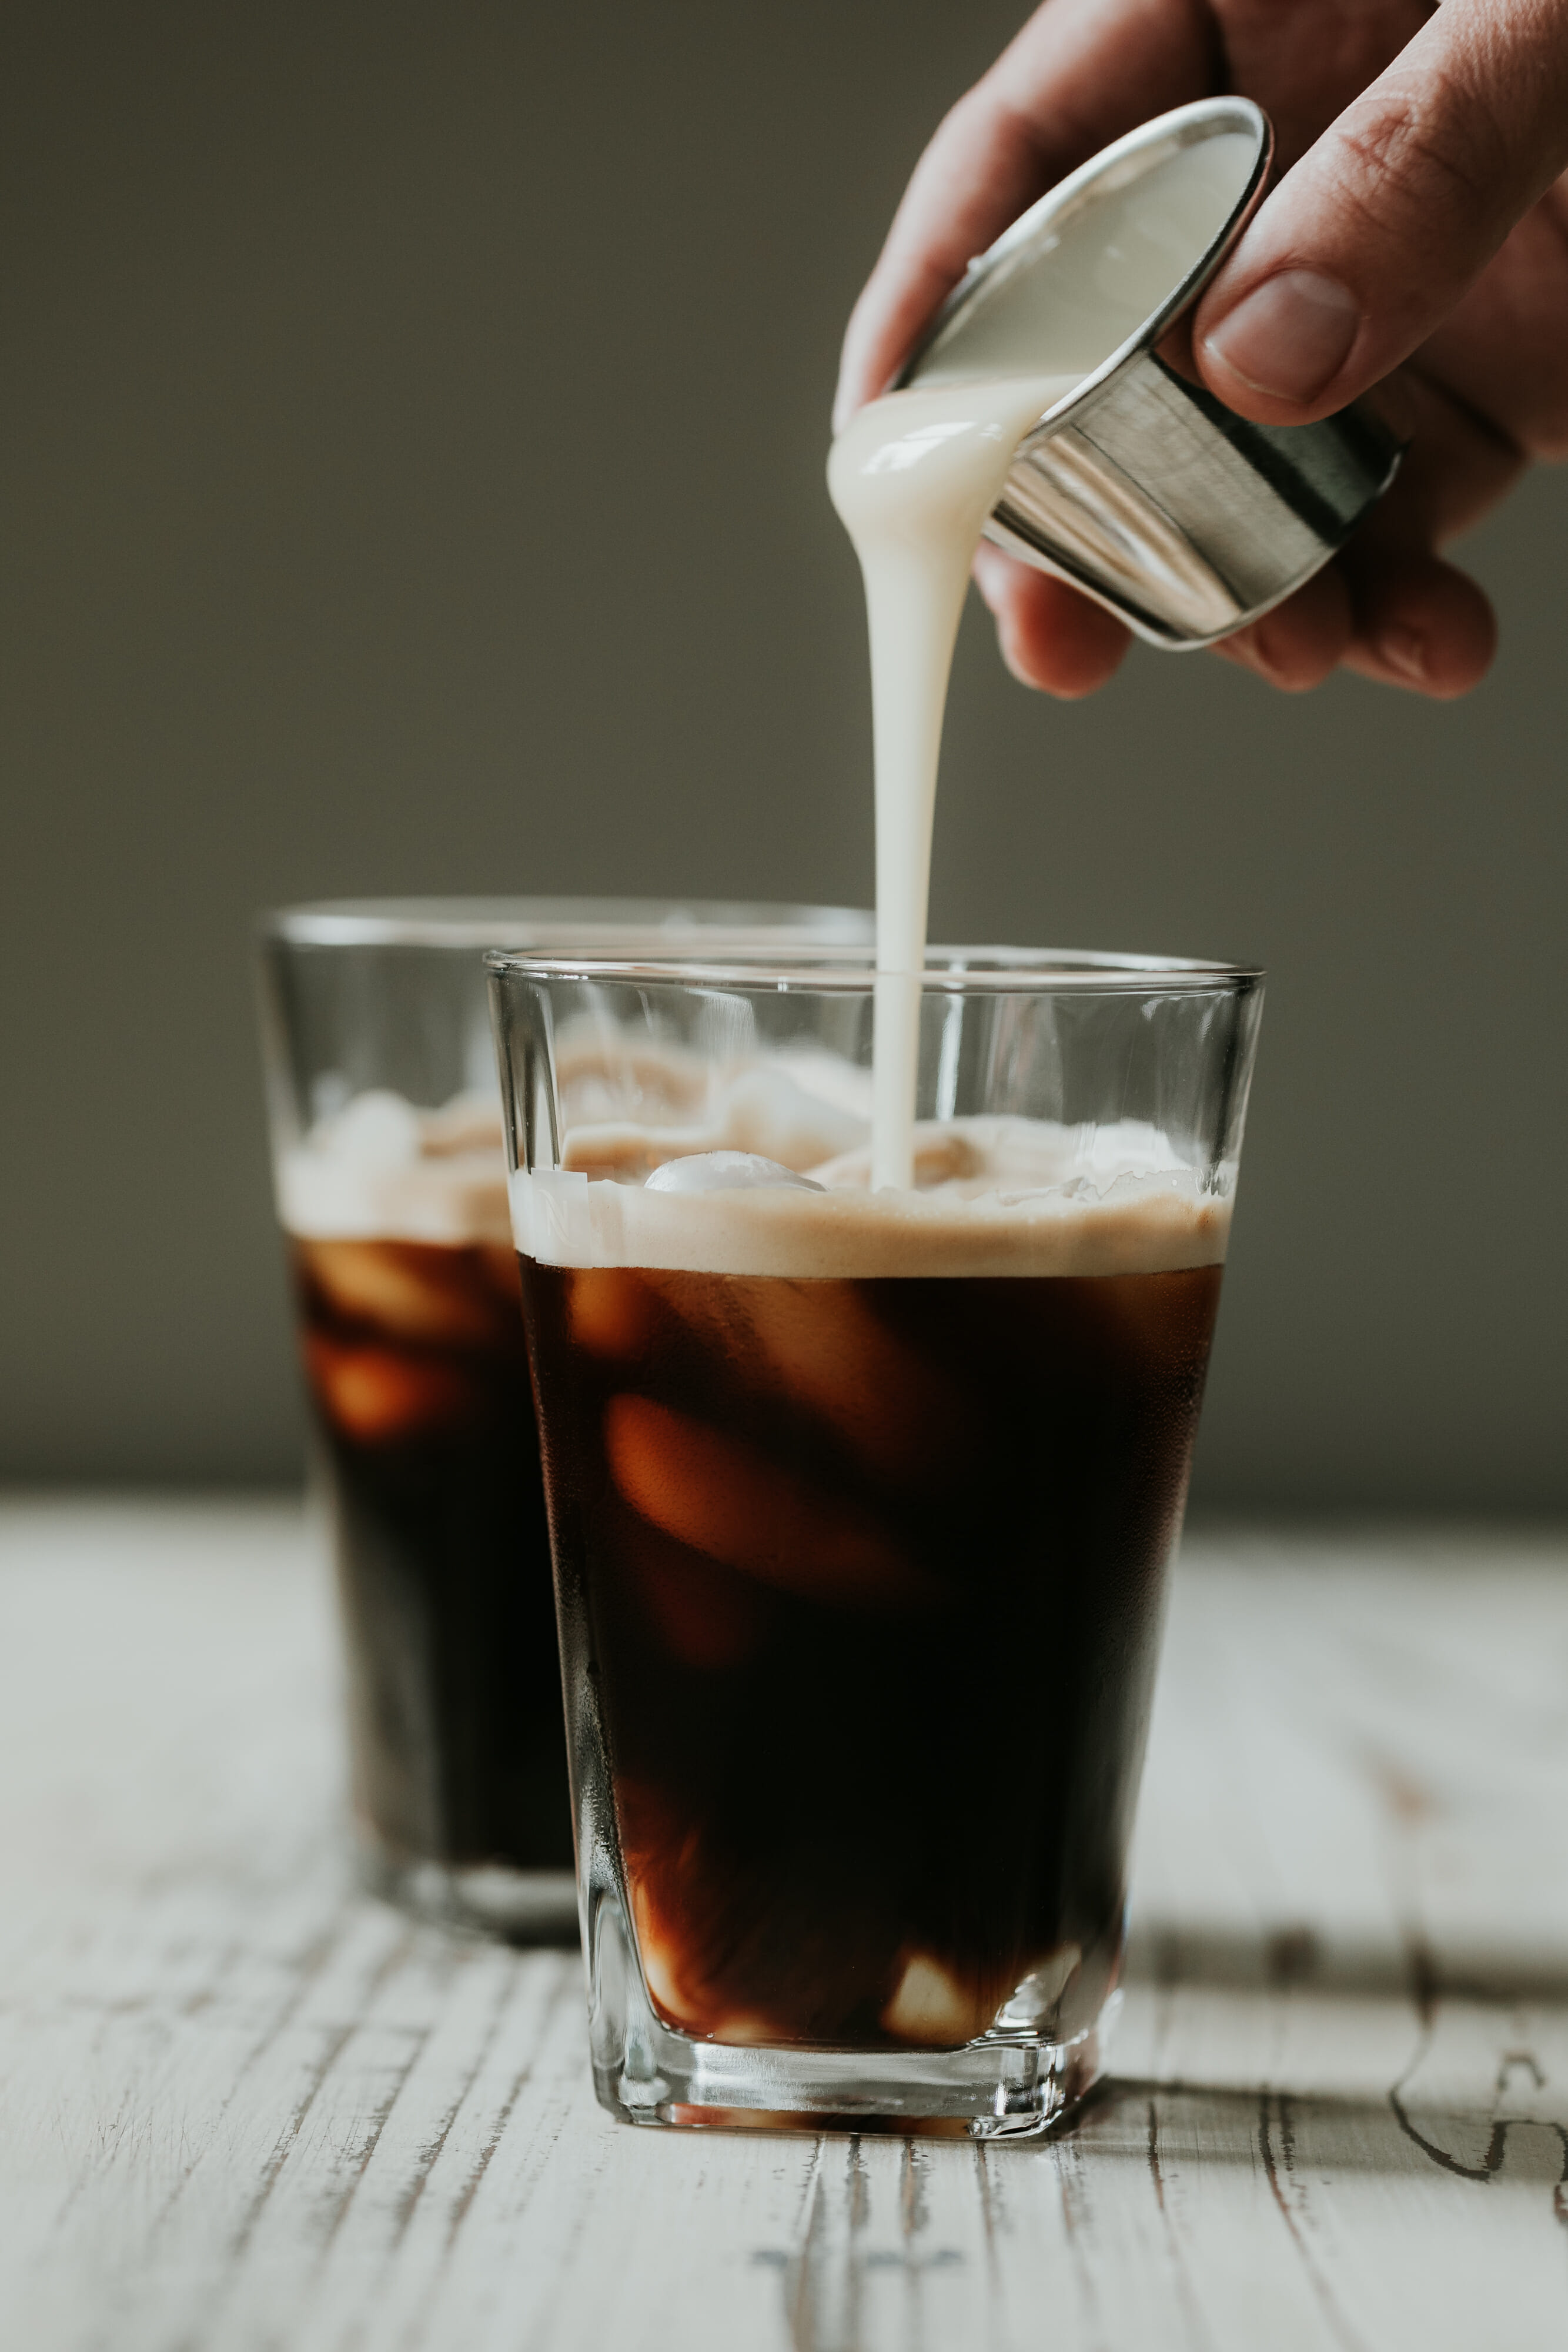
x=1162 y=1957
x=1294 y=2138
x=1303 y=2053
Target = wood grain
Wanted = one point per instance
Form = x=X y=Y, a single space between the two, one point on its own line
x=243 y=2107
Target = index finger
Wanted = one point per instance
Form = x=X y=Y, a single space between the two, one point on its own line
x=1079 y=73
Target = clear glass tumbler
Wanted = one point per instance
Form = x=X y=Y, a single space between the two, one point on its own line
x=391 y=1183
x=861 y=1503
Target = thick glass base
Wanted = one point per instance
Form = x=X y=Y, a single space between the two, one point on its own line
x=514 y=1906
x=1002 y=2086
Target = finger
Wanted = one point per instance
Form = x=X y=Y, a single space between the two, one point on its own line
x=1419 y=623
x=1305 y=64
x=1376 y=234
x=1455 y=469
x=1051 y=638
x=1081 y=72
x=1387 y=607
x=1503 y=349
x=1297 y=644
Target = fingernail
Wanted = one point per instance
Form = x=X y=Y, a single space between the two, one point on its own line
x=1248 y=649
x=1289 y=337
x=1264 y=652
x=1403 y=650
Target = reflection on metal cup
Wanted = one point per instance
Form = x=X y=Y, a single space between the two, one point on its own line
x=1140 y=488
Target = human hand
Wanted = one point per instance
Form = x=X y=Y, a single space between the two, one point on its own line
x=1421 y=227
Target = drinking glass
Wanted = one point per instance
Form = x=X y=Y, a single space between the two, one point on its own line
x=391 y=1182
x=861 y=1502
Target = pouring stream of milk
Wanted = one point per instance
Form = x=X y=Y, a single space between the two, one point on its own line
x=914 y=478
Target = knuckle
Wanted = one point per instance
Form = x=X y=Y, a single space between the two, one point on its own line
x=1503 y=350
x=1430 y=143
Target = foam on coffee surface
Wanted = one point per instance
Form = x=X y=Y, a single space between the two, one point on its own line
x=992 y=1196
x=382 y=1169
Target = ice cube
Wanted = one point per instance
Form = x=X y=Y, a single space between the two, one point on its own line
x=417 y=1291
x=469 y=1122
x=725 y=1172
x=765 y=1110
x=377 y=1130
x=1037 y=1995
x=933 y=2009
x=888 y=1404
x=721 y=1495
x=930 y=2007
x=375 y=1396
x=706 y=1617
x=610 y=1312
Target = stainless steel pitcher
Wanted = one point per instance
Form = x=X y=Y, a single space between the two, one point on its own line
x=1140 y=488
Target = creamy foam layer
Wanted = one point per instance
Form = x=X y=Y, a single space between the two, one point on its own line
x=383 y=1169
x=992 y=1196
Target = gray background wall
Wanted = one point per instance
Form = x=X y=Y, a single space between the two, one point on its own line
x=413 y=482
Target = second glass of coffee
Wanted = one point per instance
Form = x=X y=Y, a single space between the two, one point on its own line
x=391 y=1183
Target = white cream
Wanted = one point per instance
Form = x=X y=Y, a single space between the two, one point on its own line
x=1141 y=1225
x=992 y=1196
x=914 y=477
x=382 y=1170
x=1109 y=265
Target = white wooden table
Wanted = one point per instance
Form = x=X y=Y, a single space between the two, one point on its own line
x=240 y=2106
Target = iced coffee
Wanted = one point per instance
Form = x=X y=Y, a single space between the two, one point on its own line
x=861 y=1501
x=392 y=1188
x=413 y=1344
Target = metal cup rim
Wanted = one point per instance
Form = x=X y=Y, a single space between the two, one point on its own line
x=1228 y=112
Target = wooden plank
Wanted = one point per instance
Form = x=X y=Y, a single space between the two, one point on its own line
x=242 y=2107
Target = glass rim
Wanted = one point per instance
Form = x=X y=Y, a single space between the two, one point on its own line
x=481 y=921
x=950 y=971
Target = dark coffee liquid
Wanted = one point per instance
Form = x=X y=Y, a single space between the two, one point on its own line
x=419 y=1372
x=871 y=1573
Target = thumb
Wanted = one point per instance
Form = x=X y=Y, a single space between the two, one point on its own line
x=1370 y=240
